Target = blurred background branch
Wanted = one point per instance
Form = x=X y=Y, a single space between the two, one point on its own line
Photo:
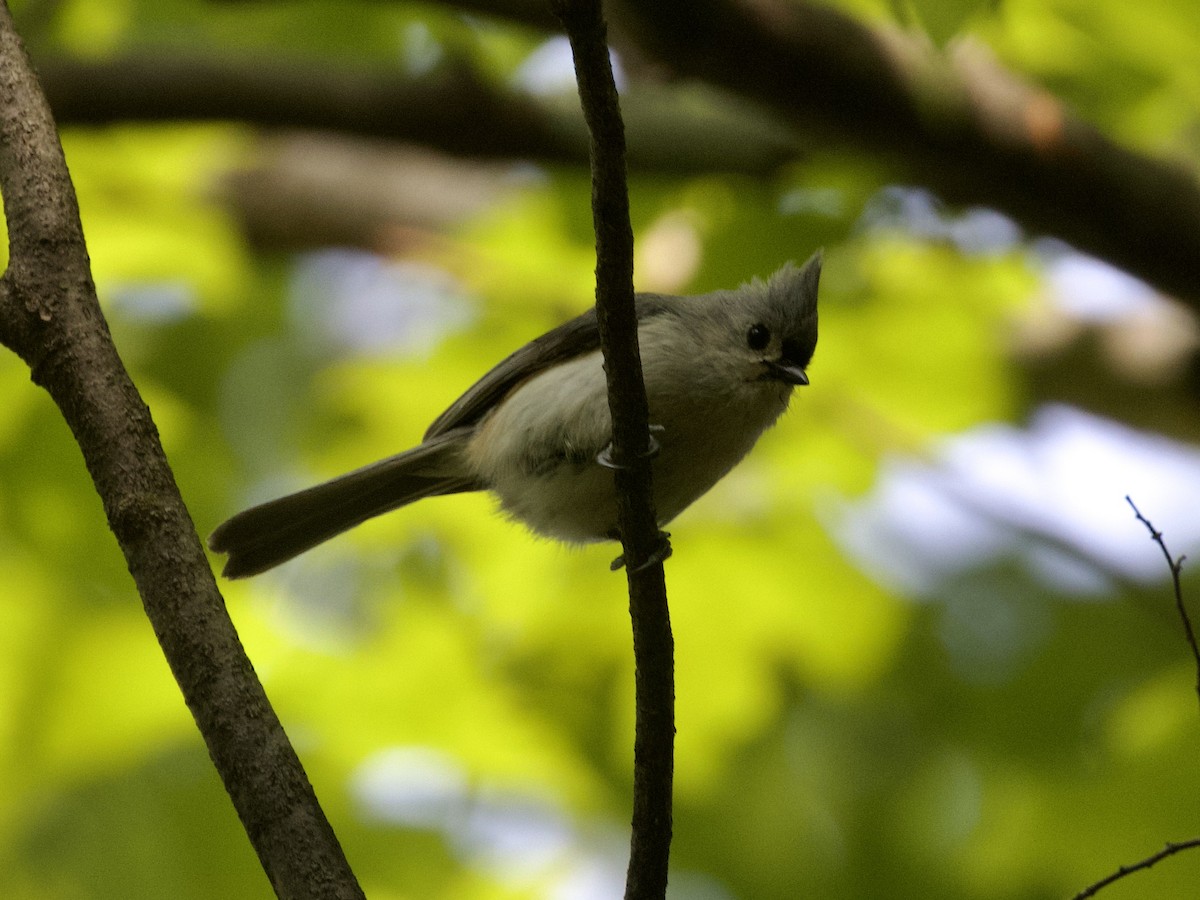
x=954 y=119
x=453 y=110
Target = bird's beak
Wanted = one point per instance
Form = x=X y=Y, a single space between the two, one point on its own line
x=789 y=373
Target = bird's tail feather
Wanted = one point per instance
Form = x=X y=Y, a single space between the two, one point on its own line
x=264 y=536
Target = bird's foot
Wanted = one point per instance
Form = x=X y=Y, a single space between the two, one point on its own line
x=604 y=457
x=661 y=553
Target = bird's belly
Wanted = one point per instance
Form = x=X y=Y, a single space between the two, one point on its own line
x=575 y=501
x=556 y=486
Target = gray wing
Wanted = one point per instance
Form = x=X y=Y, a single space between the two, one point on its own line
x=574 y=338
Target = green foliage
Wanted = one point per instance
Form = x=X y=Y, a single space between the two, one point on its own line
x=837 y=738
x=1126 y=66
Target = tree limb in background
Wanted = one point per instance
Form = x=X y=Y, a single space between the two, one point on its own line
x=643 y=544
x=304 y=189
x=450 y=109
x=531 y=13
x=958 y=123
x=50 y=317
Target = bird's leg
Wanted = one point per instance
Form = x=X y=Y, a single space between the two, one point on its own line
x=604 y=457
x=660 y=553
x=663 y=550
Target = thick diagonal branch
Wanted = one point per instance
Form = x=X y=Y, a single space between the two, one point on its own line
x=49 y=315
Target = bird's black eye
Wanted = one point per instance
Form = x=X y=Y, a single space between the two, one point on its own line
x=758 y=336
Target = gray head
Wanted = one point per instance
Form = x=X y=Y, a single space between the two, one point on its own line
x=770 y=326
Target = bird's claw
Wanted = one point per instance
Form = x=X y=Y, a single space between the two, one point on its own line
x=604 y=457
x=659 y=554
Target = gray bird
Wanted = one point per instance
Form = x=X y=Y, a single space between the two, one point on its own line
x=719 y=370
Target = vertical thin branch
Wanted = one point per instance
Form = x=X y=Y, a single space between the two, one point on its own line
x=50 y=317
x=644 y=546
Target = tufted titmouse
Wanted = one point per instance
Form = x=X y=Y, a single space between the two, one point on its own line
x=719 y=369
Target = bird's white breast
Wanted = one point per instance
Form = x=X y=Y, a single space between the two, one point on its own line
x=537 y=450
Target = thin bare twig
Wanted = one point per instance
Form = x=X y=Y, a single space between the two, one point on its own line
x=1176 y=566
x=1170 y=850
x=644 y=547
